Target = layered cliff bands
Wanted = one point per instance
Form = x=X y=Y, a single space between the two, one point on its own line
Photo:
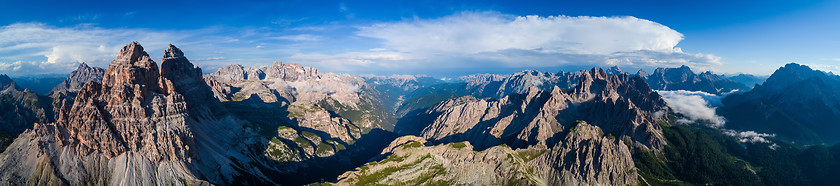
x=136 y=127
x=79 y=77
x=497 y=86
x=288 y=83
x=583 y=157
x=623 y=106
x=20 y=109
x=683 y=78
x=542 y=137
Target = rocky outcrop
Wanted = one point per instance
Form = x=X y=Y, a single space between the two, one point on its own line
x=67 y=89
x=395 y=89
x=79 y=77
x=584 y=157
x=312 y=121
x=20 y=110
x=6 y=83
x=587 y=156
x=288 y=83
x=621 y=105
x=497 y=86
x=683 y=78
x=140 y=126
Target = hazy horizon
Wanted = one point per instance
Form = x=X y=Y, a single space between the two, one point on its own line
x=438 y=39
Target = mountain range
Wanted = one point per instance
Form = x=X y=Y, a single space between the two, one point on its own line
x=140 y=122
x=796 y=103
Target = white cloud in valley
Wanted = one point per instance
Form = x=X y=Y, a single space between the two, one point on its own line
x=699 y=106
x=749 y=136
x=695 y=105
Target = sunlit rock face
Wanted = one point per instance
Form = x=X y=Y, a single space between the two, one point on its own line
x=621 y=105
x=140 y=126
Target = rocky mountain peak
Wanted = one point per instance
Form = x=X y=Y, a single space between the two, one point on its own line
x=140 y=126
x=792 y=73
x=642 y=73
x=133 y=67
x=176 y=67
x=82 y=65
x=79 y=77
x=172 y=51
x=6 y=82
x=133 y=52
x=615 y=70
x=683 y=78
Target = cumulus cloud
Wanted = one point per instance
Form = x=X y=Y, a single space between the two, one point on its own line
x=491 y=39
x=36 y=48
x=33 y=48
x=477 y=41
x=749 y=136
x=695 y=105
x=474 y=32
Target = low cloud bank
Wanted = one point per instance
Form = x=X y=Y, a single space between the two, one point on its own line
x=695 y=105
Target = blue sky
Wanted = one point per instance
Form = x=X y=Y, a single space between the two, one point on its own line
x=442 y=38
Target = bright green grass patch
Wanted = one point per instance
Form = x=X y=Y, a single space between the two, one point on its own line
x=323 y=147
x=458 y=145
x=413 y=145
x=371 y=179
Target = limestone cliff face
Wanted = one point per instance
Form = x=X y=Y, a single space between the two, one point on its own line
x=67 y=90
x=20 y=109
x=622 y=106
x=584 y=157
x=303 y=113
x=79 y=77
x=140 y=126
x=683 y=78
x=492 y=85
x=587 y=156
x=287 y=83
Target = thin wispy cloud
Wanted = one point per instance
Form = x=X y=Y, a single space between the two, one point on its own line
x=300 y=37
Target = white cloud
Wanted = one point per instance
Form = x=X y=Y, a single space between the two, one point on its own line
x=32 y=48
x=472 y=32
x=749 y=136
x=490 y=39
x=36 y=48
x=477 y=41
x=696 y=105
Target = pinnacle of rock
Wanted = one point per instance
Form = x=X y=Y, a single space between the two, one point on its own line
x=132 y=52
x=172 y=51
x=132 y=66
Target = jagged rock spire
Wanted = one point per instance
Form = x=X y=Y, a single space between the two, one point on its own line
x=79 y=77
x=5 y=82
x=133 y=66
x=132 y=52
x=172 y=51
x=176 y=67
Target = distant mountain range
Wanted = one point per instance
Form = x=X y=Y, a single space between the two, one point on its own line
x=683 y=78
x=796 y=103
x=138 y=122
